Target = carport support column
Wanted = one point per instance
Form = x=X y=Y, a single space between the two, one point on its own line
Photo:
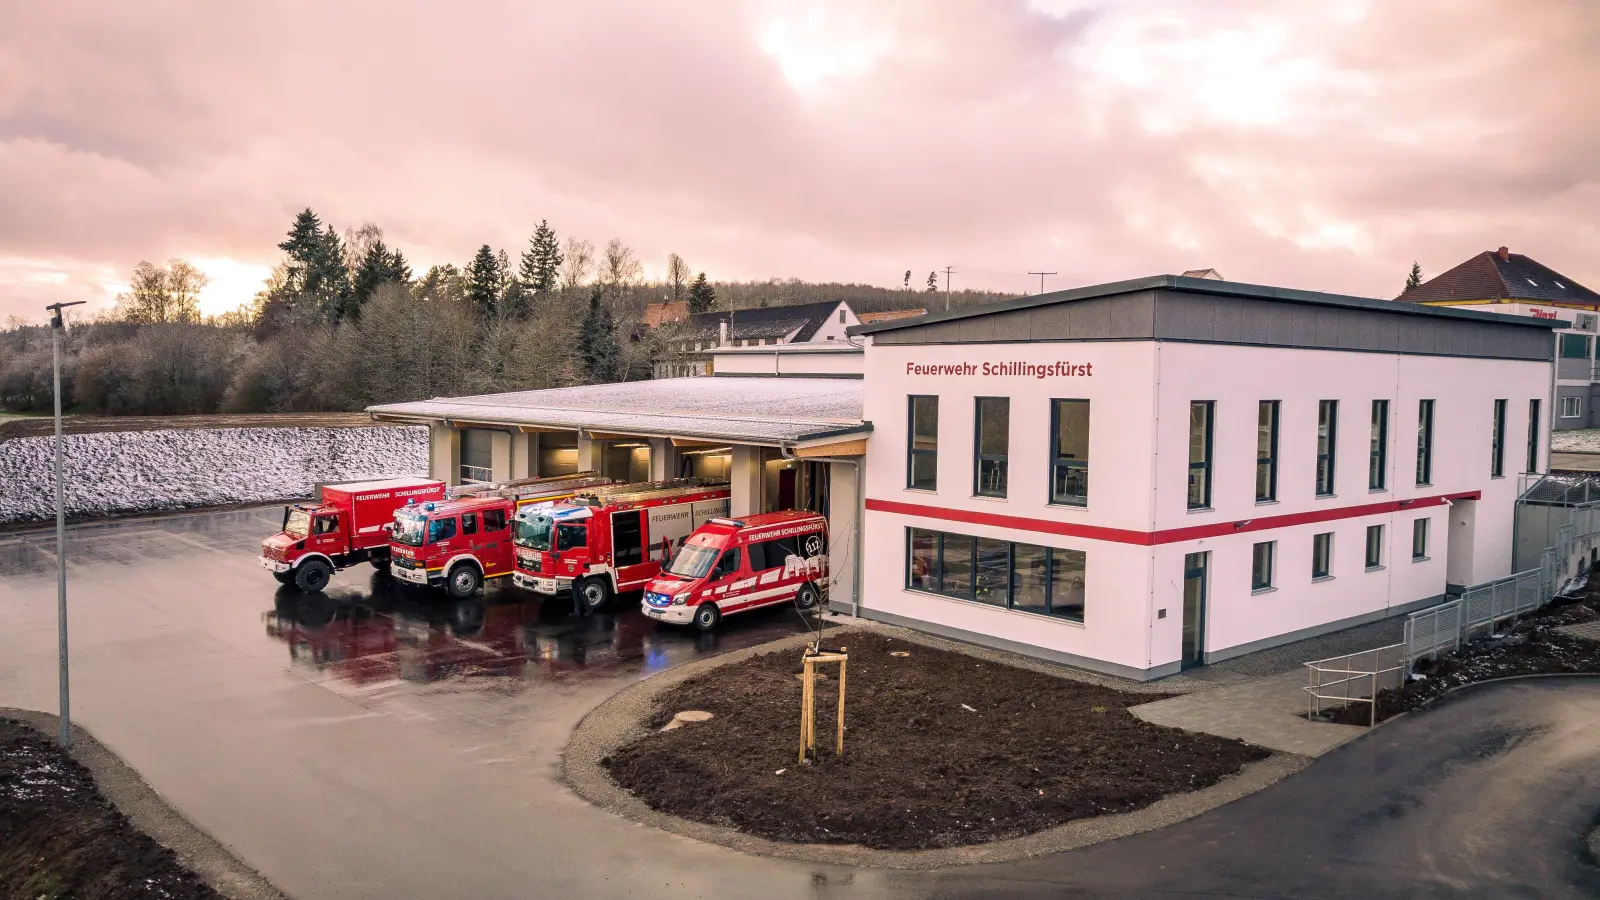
x=444 y=453
x=588 y=454
x=500 y=455
x=744 y=478
x=844 y=537
x=524 y=454
x=663 y=459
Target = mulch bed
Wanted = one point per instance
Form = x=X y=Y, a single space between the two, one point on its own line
x=941 y=750
x=1531 y=646
x=60 y=838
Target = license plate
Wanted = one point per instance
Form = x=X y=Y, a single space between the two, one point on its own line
x=544 y=585
x=654 y=613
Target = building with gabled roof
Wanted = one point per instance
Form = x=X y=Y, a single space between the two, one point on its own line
x=693 y=340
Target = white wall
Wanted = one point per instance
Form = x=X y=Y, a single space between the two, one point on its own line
x=833 y=329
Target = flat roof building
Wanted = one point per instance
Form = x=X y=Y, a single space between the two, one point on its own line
x=1132 y=478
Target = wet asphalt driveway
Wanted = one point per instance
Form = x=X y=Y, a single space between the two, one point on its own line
x=382 y=742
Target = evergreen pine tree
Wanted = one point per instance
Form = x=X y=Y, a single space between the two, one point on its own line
x=541 y=262
x=702 y=296
x=399 y=269
x=933 y=283
x=1415 y=278
x=378 y=267
x=598 y=351
x=484 y=282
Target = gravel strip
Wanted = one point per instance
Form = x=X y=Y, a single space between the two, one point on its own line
x=621 y=720
x=224 y=872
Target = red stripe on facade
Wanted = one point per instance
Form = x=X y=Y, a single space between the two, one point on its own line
x=1170 y=535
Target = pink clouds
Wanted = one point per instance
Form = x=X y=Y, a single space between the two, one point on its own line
x=1310 y=145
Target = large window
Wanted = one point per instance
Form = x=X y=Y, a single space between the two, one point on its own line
x=1069 y=452
x=922 y=444
x=1374 y=547
x=1419 y=539
x=1321 y=555
x=1261 y=566
x=1201 y=413
x=1533 y=435
x=1575 y=346
x=1025 y=577
x=1327 y=435
x=477 y=455
x=993 y=425
x=1425 y=442
x=1497 y=445
x=1378 y=453
x=1267 y=451
x=1571 y=407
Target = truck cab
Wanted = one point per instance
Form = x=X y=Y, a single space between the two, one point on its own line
x=347 y=526
x=731 y=566
x=454 y=544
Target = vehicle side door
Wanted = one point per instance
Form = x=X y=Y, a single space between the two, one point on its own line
x=443 y=542
x=628 y=557
x=493 y=545
x=725 y=585
x=328 y=534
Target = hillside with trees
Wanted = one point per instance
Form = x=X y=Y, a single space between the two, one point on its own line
x=343 y=322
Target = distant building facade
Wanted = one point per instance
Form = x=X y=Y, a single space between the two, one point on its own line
x=693 y=339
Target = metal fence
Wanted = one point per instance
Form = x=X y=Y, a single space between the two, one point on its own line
x=1355 y=678
x=1437 y=629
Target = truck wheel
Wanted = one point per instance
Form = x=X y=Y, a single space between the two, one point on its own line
x=807 y=598
x=591 y=593
x=380 y=561
x=284 y=577
x=463 y=581
x=706 y=616
x=312 y=575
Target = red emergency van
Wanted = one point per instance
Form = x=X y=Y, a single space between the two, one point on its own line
x=611 y=539
x=454 y=543
x=734 y=565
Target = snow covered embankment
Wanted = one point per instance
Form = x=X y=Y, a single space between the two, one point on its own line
x=138 y=471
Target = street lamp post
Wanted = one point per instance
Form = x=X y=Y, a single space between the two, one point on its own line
x=56 y=326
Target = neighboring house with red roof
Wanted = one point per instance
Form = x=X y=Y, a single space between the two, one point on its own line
x=1504 y=282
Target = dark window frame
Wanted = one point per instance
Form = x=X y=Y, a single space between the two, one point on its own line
x=1374 y=548
x=1497 y=451
x=1274 y=408
x=1258 y=582
x=1535 y=427
x=1424 y=442
x=1584 y=339
x=1062 y=467
x=1322 y=555
x=970 y=594
x=1419 y=539
x=1001 y=460
x=1327 y=414
x=1378 y=449
x=912 y=451
x=1203 y=466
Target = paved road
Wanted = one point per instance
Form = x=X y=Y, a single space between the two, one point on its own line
x=377 y=743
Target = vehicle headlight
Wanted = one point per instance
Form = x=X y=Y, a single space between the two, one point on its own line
x=681 y=599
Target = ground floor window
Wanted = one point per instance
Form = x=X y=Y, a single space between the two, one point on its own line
x=1321 y=555
x=1419 y=539
x=1261 y=566
x=1374 y=547
x=1044 y=580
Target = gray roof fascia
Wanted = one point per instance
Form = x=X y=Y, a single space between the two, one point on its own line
x=1208 y=286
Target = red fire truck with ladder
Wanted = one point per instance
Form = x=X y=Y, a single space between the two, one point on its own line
x=611 y=539
x=458 y=544
x=347 y=525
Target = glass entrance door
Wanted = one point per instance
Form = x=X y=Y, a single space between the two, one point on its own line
x=1194 y=608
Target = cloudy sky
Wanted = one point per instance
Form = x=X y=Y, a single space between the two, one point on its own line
x=1315 y=145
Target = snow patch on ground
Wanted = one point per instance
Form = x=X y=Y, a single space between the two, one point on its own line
x=138 y=471
x=1577 y=440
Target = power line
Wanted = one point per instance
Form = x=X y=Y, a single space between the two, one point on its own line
x=948 y=271
x=1041 y=279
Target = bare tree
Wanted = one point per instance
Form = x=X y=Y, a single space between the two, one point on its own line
x=358 y=242
x=678 y=274
x=156 y=295
x=620 y=268
x=579 y=261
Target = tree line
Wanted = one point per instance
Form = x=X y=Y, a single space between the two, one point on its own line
x=343 y=322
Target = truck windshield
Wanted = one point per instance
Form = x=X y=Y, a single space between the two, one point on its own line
x=693 y=561
x=408 y=530
x=297 y=524
x=533 y=533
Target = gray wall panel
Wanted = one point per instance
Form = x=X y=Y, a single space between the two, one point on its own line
x=1013 y=326
x=977 y=331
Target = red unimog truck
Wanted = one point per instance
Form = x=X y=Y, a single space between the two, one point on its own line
x=347 y=525
x=611 y=539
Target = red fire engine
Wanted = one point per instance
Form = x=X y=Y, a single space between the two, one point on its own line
x=348 y=525
x=611 y=539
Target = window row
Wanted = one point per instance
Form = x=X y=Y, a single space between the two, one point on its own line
x=1263 y=555
x=1202 y=416
x=1069 y=448
x=1043 y=580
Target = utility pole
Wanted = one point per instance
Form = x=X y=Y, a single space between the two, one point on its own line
x=61 y=526
x=1041 y=279
x=948 y=271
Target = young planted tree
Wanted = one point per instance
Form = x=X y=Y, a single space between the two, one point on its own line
x=1414 y=280
x=541 y=262
x=598 y=352
x=677 y=274
x=702 y=296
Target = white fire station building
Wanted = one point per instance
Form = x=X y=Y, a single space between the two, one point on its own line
x=1132 y=478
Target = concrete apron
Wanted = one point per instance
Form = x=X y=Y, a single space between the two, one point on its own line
x=620 y=720
x=1268 y=712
